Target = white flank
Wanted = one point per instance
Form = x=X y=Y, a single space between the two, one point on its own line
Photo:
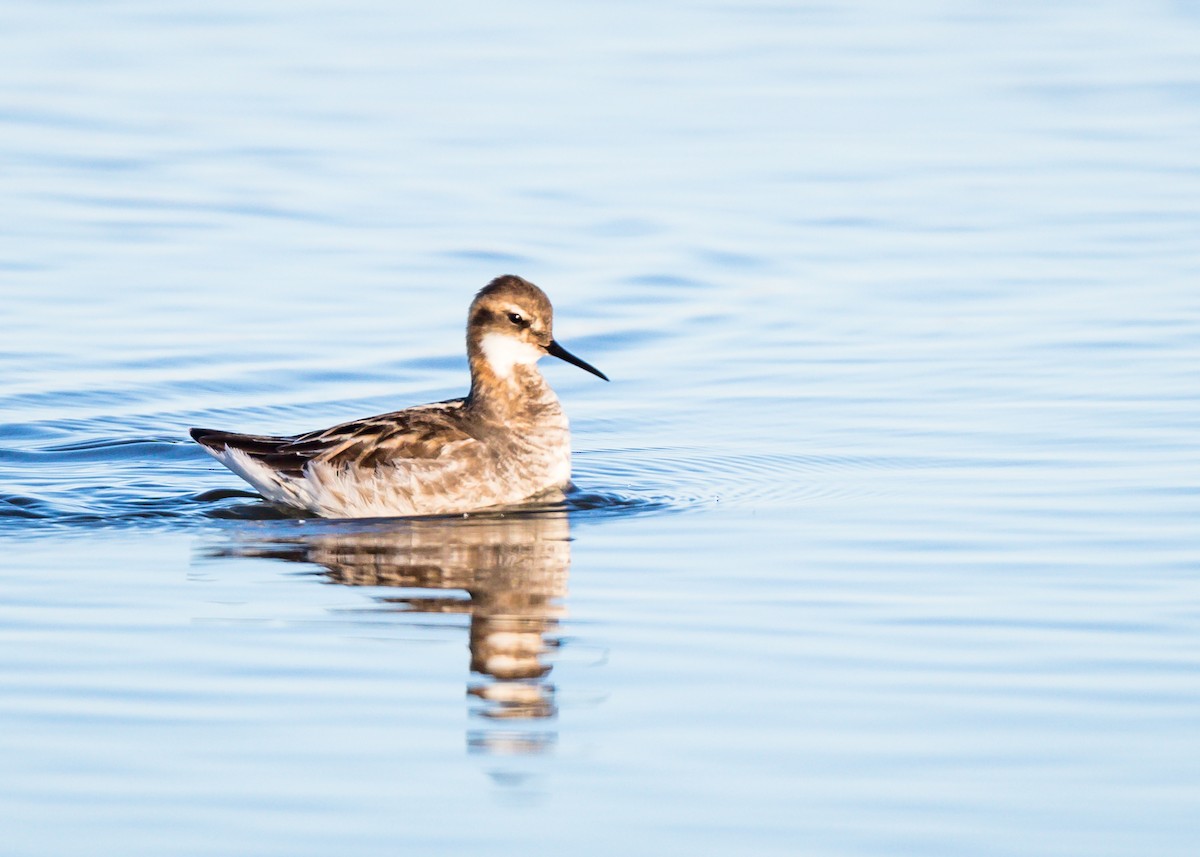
x=269 y=483
x=504 y=352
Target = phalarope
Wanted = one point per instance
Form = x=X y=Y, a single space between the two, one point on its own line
x=505 y=442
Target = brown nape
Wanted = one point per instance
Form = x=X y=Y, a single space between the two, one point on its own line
x=481 y=317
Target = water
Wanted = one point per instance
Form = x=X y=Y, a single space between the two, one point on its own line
x=884 y=539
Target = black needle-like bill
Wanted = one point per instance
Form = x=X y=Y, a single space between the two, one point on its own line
x=556 y=350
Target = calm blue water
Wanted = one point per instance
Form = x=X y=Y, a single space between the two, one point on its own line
x=886 y=533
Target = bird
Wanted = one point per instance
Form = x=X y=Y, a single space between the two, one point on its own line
x=506 y=442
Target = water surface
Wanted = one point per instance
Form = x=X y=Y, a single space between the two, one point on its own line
x=884 y=538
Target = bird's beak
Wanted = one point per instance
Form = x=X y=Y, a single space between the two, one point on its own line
x=556 y=350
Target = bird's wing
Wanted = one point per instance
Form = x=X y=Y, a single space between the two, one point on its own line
x=420 y=433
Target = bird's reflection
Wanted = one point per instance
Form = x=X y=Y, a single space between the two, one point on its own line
x=513 y=570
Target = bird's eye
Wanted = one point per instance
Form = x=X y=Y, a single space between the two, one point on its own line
x=517 y=319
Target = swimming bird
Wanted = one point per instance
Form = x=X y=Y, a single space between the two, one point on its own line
x=505 y=442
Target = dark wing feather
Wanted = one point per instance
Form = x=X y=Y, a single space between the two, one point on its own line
x=416 y=433
x=269 y=450
x=253 y=444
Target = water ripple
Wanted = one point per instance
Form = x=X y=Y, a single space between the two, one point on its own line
x=690 y=477
x=83 y=476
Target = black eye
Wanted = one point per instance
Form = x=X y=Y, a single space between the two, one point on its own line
x=517 y=319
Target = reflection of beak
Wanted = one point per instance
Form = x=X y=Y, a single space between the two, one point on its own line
x=556 y=350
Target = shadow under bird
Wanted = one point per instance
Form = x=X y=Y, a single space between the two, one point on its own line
x=505 y=442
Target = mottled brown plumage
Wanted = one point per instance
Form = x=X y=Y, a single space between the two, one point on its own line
x=419 y=432
x=506 y=441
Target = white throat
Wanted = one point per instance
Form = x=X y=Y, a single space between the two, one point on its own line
x=502 y=353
